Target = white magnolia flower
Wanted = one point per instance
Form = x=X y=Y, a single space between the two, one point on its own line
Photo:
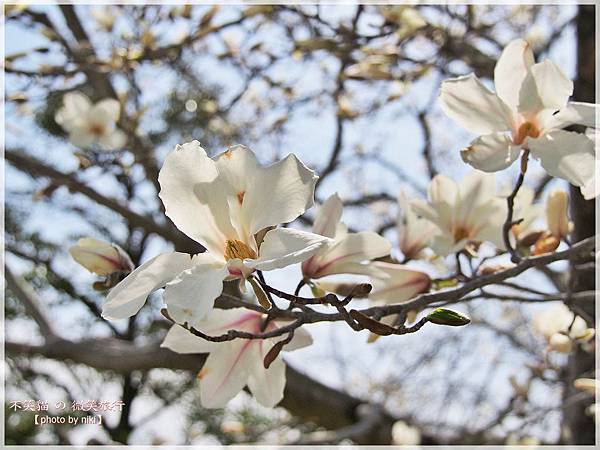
x=101 y=257
x=89 y=123
x=234 y=364
x=527 y=211
x=345 y=253
x=528 y=111
x=229 y=205
x=396 y=283
x=414 y=232
x=559 y=328
x=463 y=212
x=404 y=434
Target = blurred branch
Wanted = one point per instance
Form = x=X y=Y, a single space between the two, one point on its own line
x=32 y=304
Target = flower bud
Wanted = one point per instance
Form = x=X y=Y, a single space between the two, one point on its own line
x=100 y=257
x=560 y=343
x=587 y=385
x=547 y=243
x=557 y=207
x=442 y=316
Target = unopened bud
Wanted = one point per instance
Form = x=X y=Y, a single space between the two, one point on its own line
x=546 y=244
x=587 y=385
x=557 y=207
x=261 y=295
x=442 y=316
x=101 y=257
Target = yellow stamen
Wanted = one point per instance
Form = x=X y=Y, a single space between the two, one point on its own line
x=238 y=250
x=460 y=233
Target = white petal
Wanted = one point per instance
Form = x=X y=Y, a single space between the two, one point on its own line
x=285 y=246
x=75 y=107
x=194 y=198
x=180 y=340
x=400 y=283
x=266 y=385
x=301 y=339
x=511 y=69
x=442 y=189
x=191 y=295
x=586 y=113
x=81 y=137
x=225 y=373
x=468 y=102
x=491 y=153
x=127 y=297
x=567 y=155
x=108 y=110
x=328 y=217
x=355 y=247
x=113 y=140
x=546 y=86
x=278 y=194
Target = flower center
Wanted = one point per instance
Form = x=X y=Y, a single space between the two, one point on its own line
x=96 y=130
x=238 y=250
x=526 y=129
x=460 y=233
x=240 y=196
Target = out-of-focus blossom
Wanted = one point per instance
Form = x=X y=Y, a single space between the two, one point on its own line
x=465 y=212
x=232 y=365
x=345 y=253
x=106 y=16
x=513 y=439
x=414 y=233
x=561 y=328
x=228 y=204
x=101 y=258
x=372 y=67
x=91 y=123
x=587 y=385
x=528 y=111
x=557 y=214
x=527 y=211
x=404 y=434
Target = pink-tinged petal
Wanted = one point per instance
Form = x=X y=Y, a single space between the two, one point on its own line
x=567 y=155
x=470 y=104
x=225 y=372
x=278 y=194
x=414 y=232
x=328 y=217
x=354 y=248
x=266 y=385
x=285 y=246
x=100 y=257
x=546 y=86
x=491 y=153
x=195 y=198
x=191 y=296
x=127 y=297
x=397 y=283
x=511 y=69
x=113 y=140
x=180 y=340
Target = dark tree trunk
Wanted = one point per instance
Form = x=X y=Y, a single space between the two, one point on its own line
x=580 y=427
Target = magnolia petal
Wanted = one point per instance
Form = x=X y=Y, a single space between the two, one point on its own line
x=546 y=86
x=81 y=137
x=266 y=385
x=191 y=295
x=567 y=155
x=442 y=189
x=75 y=108
x=225 y=373
x=557 y=213
x=236 y=166
x=469 y=103
x=285 y=246
x=301 y=339
x=491 y=152
x=511 y=69
x=586 y=113
x=279 y=194
x=398 y=284
x=113 y=140
x=354 y=248
x=106 y=111
x=328 y=217
x=180 y=340
x=476 y=190
x=127 y=297
x=194 y=198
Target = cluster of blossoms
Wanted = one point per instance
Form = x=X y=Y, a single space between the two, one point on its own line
x=238 y=210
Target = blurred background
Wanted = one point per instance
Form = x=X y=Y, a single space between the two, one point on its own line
x=351 y=90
